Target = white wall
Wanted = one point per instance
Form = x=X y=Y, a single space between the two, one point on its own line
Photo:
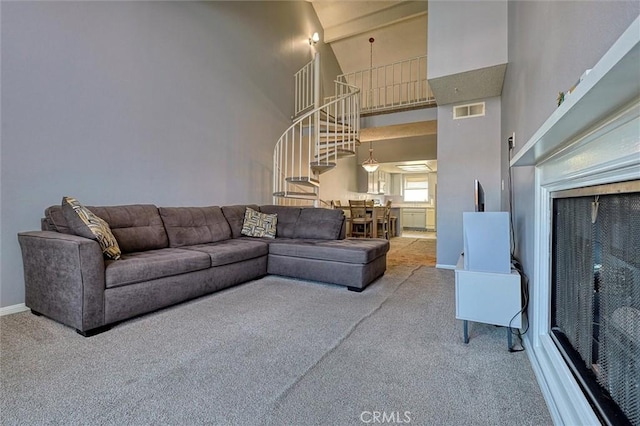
x=466 y=35
x=171 y=103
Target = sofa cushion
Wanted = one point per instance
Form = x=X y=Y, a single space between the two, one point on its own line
x=258 y=224
x=152 y=264
x=235 y=217
x=232 y=251
x=85 y=223
x=54 y=220
x=287 y=219
x=316 y=223
x=194 y=225
x=356 y=250
x=137 y=227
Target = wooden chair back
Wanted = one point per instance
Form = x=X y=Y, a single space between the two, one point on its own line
x=358 y=208
x=387 y=211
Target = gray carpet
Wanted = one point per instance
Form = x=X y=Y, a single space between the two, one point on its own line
x=275 y=351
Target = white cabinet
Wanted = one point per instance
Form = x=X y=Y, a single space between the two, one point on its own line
x=413 y=217
x=431 y=219
x=394 y=185
x=488 y=297
x=377 y=182
x=419 y=218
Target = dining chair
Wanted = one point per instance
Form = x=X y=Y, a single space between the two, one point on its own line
x=337 y=204
x=393 y=223
x=361 y=222
x=384 y=222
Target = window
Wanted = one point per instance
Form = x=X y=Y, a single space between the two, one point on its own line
x=416 y=188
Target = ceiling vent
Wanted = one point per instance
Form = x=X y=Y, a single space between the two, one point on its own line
x=468 y=111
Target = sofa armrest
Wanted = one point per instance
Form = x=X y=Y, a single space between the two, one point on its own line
x=64 y=278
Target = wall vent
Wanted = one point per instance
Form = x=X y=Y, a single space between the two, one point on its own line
x=468 y=111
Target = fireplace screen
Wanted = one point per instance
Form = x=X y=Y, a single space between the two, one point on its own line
x=596 y=297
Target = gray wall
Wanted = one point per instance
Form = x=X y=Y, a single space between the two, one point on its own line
x=550 y=45
x=340 y=183
x=468 y=149
x=349 y=180
x=395 y=150
x=402 y=149
x=171 y=103
x=466 y=35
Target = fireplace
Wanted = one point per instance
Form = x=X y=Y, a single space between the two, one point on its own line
x=581 y=310
x=595 y=295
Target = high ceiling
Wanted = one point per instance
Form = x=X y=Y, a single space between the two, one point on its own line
x=400 y=32
x=398 y=27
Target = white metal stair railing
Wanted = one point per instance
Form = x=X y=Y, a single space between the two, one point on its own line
x=313 y=144
x=398 y=85
x=307 y=86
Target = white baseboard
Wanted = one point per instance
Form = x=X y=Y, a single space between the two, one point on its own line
x=441 y=266
x=566 y=401
x=13 y=309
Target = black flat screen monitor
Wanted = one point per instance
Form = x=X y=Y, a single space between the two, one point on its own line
x=479 y=196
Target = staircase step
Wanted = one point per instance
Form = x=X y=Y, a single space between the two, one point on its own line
x=303 y=181
x=331 y=147
x=321 y=167
x=342 y=153
x=334 y=126
x=324 y=135
x=329 y=125
x=295 y=194
x=328 y=143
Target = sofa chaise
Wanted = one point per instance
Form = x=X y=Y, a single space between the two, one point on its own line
x=172 y=254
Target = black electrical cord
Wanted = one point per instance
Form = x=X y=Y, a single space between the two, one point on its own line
x=524 y=282
x=524 y=287
x=511 y=204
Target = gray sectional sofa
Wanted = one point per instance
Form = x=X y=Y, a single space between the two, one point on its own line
x=172 y=254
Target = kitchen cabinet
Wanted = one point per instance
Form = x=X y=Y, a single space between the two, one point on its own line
x=377 y=182
x=431 y=219
x=394 y=186
x=413 y=217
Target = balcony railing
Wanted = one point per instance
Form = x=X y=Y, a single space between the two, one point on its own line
x=394 y=86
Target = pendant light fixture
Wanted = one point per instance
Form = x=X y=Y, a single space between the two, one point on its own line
x=370 y=164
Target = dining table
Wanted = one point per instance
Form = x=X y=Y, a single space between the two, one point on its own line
x=375 y=212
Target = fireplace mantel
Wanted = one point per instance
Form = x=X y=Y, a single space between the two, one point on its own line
x=611 y=84
x=593 y=138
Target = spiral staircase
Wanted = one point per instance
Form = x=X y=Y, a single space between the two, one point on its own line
x=319 y=136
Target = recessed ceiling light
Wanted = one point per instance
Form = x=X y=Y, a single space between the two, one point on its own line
x=415 y=168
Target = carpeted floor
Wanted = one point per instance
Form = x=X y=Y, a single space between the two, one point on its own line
x=412 y=252
x=275 y=351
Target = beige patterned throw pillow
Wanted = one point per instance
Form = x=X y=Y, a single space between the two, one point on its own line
x=258 y=224
x=86 y=224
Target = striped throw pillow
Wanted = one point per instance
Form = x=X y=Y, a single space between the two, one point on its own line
x=258 y=224
x=86 y=224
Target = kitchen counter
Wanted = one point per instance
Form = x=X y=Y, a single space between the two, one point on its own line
x=415 y=205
